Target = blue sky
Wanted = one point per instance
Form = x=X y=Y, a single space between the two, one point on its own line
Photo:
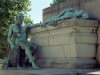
x=37 y=6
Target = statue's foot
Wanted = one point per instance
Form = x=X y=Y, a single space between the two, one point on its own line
x=35 y=67
x=4 y=68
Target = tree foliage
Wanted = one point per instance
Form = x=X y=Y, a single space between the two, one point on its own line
x=8 y=12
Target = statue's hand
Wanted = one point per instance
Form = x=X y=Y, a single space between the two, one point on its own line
x=12 y=47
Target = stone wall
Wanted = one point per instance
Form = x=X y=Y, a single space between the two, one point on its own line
x=90 y=6
x=72 y=44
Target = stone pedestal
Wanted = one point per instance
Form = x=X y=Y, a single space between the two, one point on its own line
x=51 y=71
x=71 y=44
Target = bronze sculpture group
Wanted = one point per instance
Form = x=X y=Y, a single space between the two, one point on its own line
x=22 y=51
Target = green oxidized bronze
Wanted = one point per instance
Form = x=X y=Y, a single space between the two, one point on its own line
x=21 y=49
x=68 y=13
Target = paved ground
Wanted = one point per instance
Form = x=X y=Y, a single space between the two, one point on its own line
x=52 y=71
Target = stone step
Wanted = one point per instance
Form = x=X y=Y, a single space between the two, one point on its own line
x=51 y=71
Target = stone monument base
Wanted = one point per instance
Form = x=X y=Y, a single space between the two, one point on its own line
x=51 y=71
x=71 y=44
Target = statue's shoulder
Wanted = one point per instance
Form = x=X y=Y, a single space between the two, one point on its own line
x=11 y=26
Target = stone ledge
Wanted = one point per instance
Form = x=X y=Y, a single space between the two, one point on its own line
x=67 y=23
x=65 y=31
x=52 y=71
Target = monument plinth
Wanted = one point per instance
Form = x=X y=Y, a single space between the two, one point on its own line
x=71 y=44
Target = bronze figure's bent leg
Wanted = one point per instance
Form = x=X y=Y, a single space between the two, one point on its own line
x=28 y=54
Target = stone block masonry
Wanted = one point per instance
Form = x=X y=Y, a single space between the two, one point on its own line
x=71 y=44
